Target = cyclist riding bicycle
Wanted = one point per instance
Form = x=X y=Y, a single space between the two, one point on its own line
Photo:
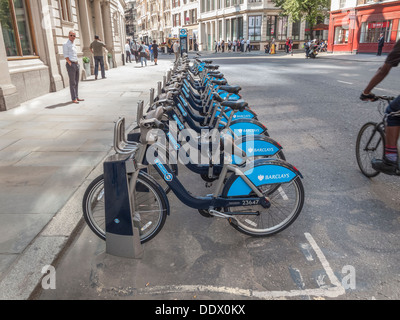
x=389 y=163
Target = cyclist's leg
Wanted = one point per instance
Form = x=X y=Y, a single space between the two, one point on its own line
x=392 y=131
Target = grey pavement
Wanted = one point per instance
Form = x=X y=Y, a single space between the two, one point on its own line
x=50 y=150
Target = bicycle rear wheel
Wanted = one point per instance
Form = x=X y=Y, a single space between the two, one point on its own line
x=370 y=145
x=286 y=200
x=151 y=207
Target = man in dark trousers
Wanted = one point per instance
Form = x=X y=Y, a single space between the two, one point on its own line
x=71 y=56
x=381 y=43
x=97 y=49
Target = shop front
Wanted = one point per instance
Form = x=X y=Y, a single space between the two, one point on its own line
x=359 y=29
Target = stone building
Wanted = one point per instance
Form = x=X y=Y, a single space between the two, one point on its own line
x=32 y=34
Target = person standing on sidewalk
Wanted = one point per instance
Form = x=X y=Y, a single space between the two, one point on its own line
x=144 y=52
x=71 y=56
x=381 y=43
x=175 y=47
x=96 y=47
x=128 y=52
x=155 y=51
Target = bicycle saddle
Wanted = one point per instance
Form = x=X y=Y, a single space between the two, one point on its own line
x=219 y=82
x=216 y=75
x=235 y=105
x=231 y=89
x=207 y=61
x=211 y=67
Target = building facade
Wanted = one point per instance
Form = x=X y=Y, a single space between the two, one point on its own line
x=32 y=34
x=208 y=21
x=256 y=20
x=355 y=25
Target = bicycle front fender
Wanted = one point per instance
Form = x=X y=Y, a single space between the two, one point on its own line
x=261 y=172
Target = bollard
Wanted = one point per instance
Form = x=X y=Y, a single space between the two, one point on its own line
x=159 y=88
x=164 y=81
x=122 y=237
x=139 y=112
x=151 y=96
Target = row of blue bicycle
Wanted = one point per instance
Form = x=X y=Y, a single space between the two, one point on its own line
x=200 y=121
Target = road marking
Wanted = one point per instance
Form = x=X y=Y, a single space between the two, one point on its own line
x=331 y=291
x=344 y=82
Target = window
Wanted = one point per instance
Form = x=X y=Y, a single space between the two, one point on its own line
x=240 y=27
x=271 y=27
x=341 y=34
x=296 y=30
x=255 y=28
x=342 y=3
x=227 y=29
x=282 y=31
x=65 y=8
x=17 y=28
x=371 y=30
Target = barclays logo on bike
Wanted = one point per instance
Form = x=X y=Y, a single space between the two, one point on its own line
x=261 y=177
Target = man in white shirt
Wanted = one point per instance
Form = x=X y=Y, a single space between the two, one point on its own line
x=71 y=55
x=128 y=52
x=248 y=45
x=176 y=50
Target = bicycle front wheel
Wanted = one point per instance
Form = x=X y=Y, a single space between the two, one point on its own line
x=370 y=145
x=286 y=200
x=150 y=213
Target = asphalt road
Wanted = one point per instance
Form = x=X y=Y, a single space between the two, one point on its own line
x=344 y=245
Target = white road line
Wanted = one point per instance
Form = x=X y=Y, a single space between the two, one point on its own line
x=334 y=280
x=325 y=291
x=344 y=82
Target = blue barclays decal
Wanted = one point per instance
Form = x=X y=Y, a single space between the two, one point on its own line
x=172 y=140
x=233 y=97
x=179 y=123
x=184 y=113
x=167 y=175
x=245 y=114
x=263 y=174
x=245 y=128
x=258 y=148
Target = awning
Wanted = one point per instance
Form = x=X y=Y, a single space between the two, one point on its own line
x=321 y=26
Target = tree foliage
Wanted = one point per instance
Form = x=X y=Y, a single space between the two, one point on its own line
x=308 y=10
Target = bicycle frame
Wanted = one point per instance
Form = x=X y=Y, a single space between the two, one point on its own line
x=207 y=202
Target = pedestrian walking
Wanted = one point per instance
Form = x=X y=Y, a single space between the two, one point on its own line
x=144 y=53
x=128 y=52
x=248 y=45
x=242 y=45
x=71 y=56
x=151 y=52
x=223 y=45
x=135 y=51
x=291 y=46
x=229 y=45
x=175 y=47
x=381 y=43
x=96 y=47
x=155 y=51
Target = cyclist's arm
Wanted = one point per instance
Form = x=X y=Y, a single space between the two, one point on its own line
x=378 y=77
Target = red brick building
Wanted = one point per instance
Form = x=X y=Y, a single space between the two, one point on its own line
x=356 y=29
